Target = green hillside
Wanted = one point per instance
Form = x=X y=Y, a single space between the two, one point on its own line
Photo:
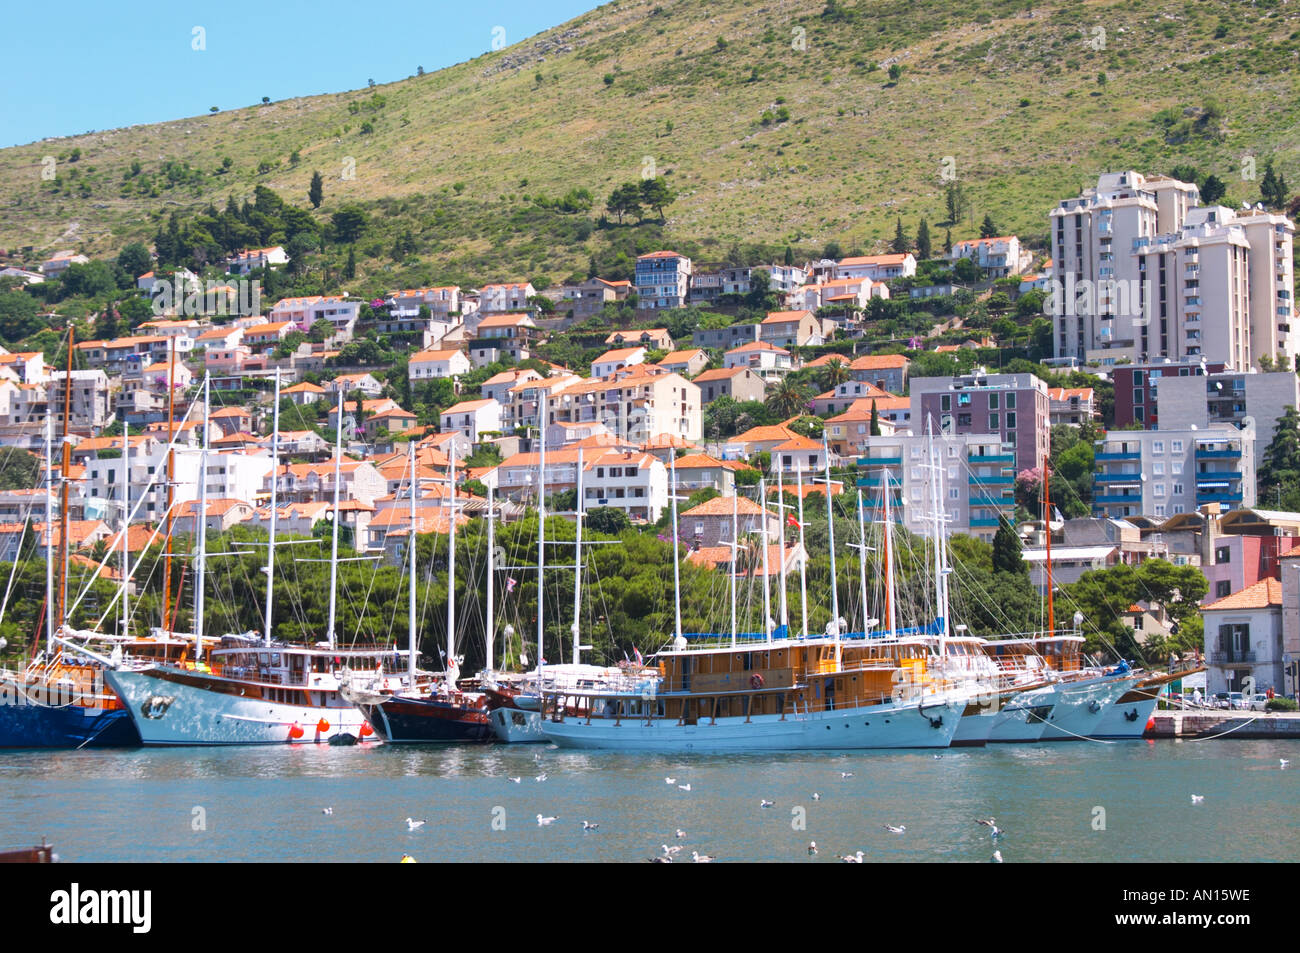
x=776 y=121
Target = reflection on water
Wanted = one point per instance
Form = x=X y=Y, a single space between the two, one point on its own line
x=1078 y=802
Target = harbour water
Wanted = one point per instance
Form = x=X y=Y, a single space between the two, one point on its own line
x=1088 y=802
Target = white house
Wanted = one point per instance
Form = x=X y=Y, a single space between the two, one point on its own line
x=251 y=260
x=762 y=358
x=1243 y=638
x=628 y=480
x=472 y=418
x=617 y=359
x=426 y=365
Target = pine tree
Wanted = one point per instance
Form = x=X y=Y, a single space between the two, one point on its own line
x=350 y=269
x=316 y=193
x=789 y=255
x=947 y=241
x=1006 y=549
x=923 y=248
x=1279 y=472
x=900 y=244
x=875 y=421
x=988 y=229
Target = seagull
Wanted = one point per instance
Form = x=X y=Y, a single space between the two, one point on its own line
x=660 y=860
x=997 y=857
x=670 y=780
x=1198 y=798
x=683 y=787
x=543 y=821
x=812 y=848
x=514 y=780
x=679 y=833
x=540 y=777
x=1284 y=762
x=701 y=858
x=894 y=829
x=993 y=828
x=937 y=757
x=816 y=796
x=669 y=851
x=764 y=802
x=846 y=774
x=588 y=826
x=851 y=858
x=413 y=825
x=329 y=811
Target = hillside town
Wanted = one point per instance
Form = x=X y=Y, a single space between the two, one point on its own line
x=1173 y=346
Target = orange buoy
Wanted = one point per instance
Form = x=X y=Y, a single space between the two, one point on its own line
x=322 y=726
x=1151 y=723
x=366 y=730
x=295 y=731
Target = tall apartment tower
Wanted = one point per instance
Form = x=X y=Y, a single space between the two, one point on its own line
x=1142 y=272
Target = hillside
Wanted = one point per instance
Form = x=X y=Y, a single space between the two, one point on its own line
x=1029 y=99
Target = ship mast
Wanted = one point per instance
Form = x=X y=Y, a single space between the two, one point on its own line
x=410 y=584
x=735 y=553
x=803 y=555
x=63 y=475
x=767 y=586
x=541 y=518
x=451 y=565
x=1047 y=524
x=275 y=479
x=677 y=579
x=126 y=519
x=491 y=570
x=334 y=539
x=830 y=529
x=780 y=495
x=887 y=493
x=577 y=565
x=200 y=556
x=49 y=536
x=171 y=481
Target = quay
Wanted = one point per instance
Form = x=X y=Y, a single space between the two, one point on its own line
x=1228 y=724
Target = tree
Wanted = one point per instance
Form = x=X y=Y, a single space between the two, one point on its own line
x=625 y=200
x=987 y=228
x=19 y=470
x=657 y=194
x=895 y=73
x=1272 y=187
x=786 y=399
x=18 y=316
x=901 y=243
x=134 y=259
x=316 y=192
x=349 y=224
x=875 y=420
x=1212 y=189
x=788 y=258
x=955 y=201
x=1279 y=471
x=1006 y=550
x=608 y=520
x=923 y=248
x=947 y=241
x=350 y=269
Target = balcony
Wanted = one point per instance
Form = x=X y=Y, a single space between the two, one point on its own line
x=1218 y=497
x=984 y=522
x=1131 y=478
x=872 y=462
x=993 y=501
x=1218 y=476
x=1007 y=458
x=1135 y=498
x=1108 y=457
x=1233 y=658
x=1215 y=454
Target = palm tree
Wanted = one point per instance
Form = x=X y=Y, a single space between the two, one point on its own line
x=837 y=372
x=786 y=399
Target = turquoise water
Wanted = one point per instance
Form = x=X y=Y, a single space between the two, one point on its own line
x=265 y=804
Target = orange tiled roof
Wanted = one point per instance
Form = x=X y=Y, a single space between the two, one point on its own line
x=1265 y=593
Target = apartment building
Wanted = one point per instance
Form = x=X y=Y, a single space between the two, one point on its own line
x=1015 y=407
x=662 y=279
x=1165 y=472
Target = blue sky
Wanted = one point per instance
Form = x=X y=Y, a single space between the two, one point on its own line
x=100 y=65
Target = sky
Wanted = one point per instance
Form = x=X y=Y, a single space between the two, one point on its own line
x=100 y=65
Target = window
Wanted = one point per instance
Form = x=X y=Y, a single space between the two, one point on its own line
x=1176 y=467
x=1137 y=395
x=1158 y=469
x=1176 y=446
x=945 y=402
x=1222 y=588
x=1158 y=446
x=1223 y=554
x=994 y=422
x=1011 y=401
x=1178 y=491
x=1158 y=490
x=993 y=401
x=1011 y=421
x=954 y=494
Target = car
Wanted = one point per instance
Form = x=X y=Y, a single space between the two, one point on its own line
x=1219 y=700
x=1258 y=701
